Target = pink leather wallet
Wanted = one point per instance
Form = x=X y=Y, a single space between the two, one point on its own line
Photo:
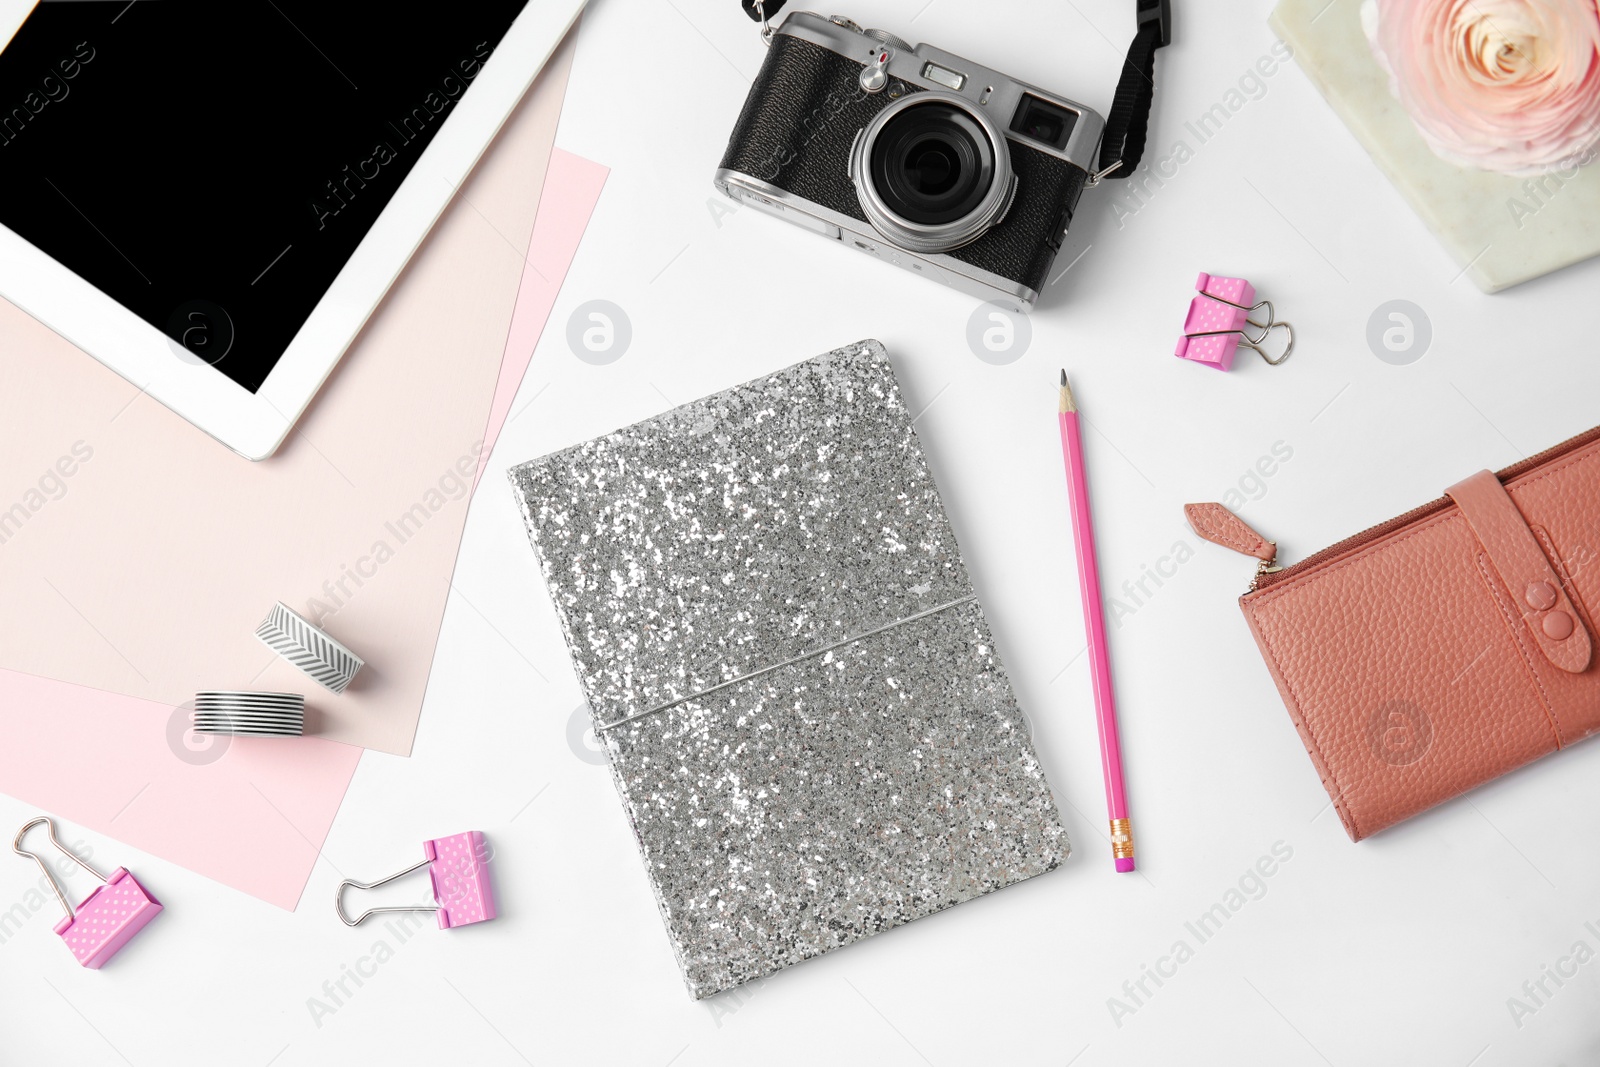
x=1440 y=649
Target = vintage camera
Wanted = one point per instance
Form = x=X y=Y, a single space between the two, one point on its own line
x=913 y=155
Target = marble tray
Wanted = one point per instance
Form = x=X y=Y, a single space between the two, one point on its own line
x=1501 y=230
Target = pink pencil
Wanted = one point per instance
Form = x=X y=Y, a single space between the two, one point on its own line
x=1094 y=624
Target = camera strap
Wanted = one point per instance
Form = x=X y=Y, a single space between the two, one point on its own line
x=1127 y=125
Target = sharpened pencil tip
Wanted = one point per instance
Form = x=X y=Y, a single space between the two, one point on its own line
x=1067 y=403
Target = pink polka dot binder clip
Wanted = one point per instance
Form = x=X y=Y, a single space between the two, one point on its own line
x=1218 y=319
x=108 y=918
x=458 y=867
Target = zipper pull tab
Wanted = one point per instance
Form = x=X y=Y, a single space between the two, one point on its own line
x=1222 y=527
x=1266 y=566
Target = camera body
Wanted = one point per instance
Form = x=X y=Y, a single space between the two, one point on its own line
x=915 y=156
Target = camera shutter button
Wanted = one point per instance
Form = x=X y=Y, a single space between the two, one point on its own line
x=875 y=75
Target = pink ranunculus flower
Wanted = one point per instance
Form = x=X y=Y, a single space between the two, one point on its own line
x=1511 y=86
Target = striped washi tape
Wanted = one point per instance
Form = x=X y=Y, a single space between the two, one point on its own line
x=296 y=640
x=232 y=711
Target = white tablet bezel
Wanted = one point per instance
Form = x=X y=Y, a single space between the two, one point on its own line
x=255 y=424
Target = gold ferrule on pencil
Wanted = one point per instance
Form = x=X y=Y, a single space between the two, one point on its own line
x=1121 y=839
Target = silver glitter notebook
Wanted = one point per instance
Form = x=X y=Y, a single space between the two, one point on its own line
x=802 y=705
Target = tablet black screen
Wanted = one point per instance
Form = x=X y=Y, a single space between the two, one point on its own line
x=212 y=166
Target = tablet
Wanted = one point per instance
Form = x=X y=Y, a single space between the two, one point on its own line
x=212 y=198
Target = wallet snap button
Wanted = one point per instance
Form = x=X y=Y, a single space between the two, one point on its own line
x=1558 y=625
x=1541 y=596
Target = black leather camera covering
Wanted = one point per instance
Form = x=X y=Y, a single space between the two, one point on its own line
x=800 y=119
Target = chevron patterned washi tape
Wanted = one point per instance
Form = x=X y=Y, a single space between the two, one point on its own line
x=299 y=642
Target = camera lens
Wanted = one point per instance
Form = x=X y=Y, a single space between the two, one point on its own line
x=932 y=164
x=932 y=172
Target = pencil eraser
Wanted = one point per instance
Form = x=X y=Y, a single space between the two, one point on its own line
x=1124 y=866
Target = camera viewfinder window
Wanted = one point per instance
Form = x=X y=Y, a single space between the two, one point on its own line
x=1043 y=122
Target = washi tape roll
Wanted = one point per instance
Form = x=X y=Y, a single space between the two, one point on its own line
x=223 y=711
x=327 y=661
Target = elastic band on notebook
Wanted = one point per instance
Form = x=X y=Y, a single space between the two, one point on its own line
x=788 y=662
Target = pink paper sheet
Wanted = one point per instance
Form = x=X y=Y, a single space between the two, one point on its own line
x=559 y=229
x=250 y=813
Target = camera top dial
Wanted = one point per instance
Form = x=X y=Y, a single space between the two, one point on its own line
x=885 y=37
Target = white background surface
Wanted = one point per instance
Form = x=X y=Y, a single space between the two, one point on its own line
x=1404 y=949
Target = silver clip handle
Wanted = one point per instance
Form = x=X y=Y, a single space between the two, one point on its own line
x=1254 y=343
x=338 y=898
x=16 y=846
